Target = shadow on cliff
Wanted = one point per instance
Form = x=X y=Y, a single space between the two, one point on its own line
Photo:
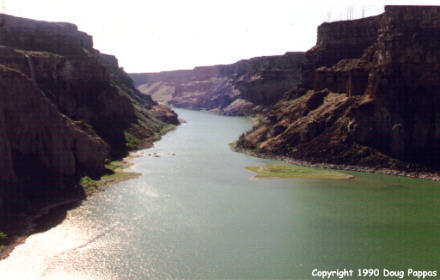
x=38 y=201
x=54 y=217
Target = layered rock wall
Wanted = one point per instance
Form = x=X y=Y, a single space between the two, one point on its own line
x=381 y=94
x=64 y=109
x=27 y=34
x=31 y=124
x=245 y=87
x=339 y=42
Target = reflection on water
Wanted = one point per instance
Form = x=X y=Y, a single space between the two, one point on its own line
x=198 y=214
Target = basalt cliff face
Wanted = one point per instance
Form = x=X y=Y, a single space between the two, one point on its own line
x=368 y=96
x=64 y=109
x=243 y=88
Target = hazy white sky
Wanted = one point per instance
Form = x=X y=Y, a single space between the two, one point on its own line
x=156 y=35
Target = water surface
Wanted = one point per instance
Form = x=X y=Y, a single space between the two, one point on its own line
x=199 y=214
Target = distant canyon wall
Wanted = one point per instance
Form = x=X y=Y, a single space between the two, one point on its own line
x=245 y=87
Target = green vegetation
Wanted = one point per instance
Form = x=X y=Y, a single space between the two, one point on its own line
x=37 y=53
x=145 y=131
x=3 y=237
x=88 y=183
x=86 y=127
x=132 y=141
x=115 y=174
x=6 y=68
x=257 y=121
x=293 y=171
x=233 y=144
x=243 y=143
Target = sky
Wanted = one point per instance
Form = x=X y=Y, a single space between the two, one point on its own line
x=159 y=35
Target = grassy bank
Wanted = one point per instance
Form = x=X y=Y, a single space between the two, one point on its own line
x=292 y=171
x=3 y=238
x=115 y=174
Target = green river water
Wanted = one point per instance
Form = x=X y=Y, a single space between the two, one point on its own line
x=199 y=214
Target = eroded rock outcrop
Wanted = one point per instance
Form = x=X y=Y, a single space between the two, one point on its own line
x=368 y=95
x=64 y=109
x=32 y=125
x=57 y=37
x=242 y=88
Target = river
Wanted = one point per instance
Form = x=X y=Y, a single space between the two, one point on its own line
x=197 y=213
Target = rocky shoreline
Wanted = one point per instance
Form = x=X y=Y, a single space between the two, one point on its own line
x=433 y=176
x=31 y=224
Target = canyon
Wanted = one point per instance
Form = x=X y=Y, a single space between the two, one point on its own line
x=364 y=95
x=364 y=98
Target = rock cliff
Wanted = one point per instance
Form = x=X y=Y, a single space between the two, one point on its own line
x=368 y=95
x=245 y=87
x=64 y=109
